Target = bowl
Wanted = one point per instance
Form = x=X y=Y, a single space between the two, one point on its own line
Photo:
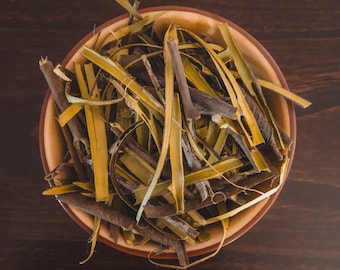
x=204 y=23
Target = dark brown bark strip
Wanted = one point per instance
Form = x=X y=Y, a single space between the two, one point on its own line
x=212 y=104
x=190 y=111
x=57 y=88
x=77 y=164
x=153 y=211
x=265 y=126
x=115 y=217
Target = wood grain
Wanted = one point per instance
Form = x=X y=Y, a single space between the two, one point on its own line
x=301 y=231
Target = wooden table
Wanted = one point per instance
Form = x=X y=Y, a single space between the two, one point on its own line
x=301 y=231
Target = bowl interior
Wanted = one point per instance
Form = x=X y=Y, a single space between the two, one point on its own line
x=206 y=24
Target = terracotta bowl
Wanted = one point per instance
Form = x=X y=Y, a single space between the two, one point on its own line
x=203 y=23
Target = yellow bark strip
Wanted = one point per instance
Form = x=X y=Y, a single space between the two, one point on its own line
x=97 y=135
x=176 y=156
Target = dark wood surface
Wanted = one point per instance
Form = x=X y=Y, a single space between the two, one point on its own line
x=301 y=231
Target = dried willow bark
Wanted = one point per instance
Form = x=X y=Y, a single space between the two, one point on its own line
x=159 y=105
x=203 y=187
x=264 y=125
x=190 y=111
x=115 y=217
x=74 y=133
x=155 y=211
x=211 y=104
x=133 y=145
x=57 y=88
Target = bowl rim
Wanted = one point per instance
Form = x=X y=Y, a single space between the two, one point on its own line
x=292 y=123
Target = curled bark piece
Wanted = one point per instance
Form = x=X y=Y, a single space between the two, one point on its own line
x=115 y=217
x=57 y=88
x=190 y=112
x=155 y=211
x=182 y=255
x=182 y=226
x=212 y=104
x=264 y=125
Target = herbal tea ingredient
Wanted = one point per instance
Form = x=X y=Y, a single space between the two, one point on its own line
x=174 y=130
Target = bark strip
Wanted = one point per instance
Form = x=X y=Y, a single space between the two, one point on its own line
x=156 y=211
x=57 y=88
x=115 y=217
